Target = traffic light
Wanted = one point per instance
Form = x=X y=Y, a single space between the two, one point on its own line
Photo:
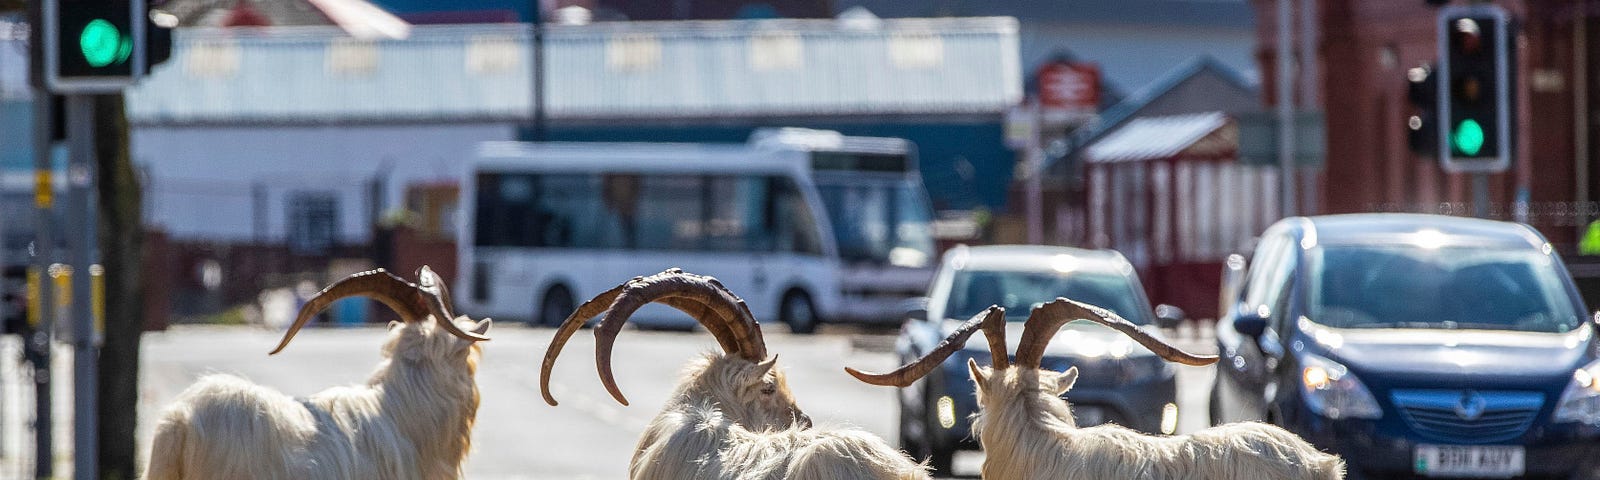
x=1422 y=131
x=1474 y=89
x=93 y=46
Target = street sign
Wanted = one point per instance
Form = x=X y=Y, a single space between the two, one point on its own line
x=1258 y=138
x=1070 y=87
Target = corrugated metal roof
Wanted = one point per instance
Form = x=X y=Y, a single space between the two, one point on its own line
x=602 y=71
x=1151 y=138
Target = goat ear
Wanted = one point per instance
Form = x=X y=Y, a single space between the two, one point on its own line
x=394 y=324
x=482 y=327
x=977 y=373
x=762 y=368
x=1065 y=381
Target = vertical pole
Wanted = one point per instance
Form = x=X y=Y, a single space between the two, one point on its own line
x=258 y=212
x=80 y=237
x=38 y=344
x=1285 y=99
x=1580 y=116
x=1480 y=195
x=537 y=22
x=1308 y=95
x=1035 y=165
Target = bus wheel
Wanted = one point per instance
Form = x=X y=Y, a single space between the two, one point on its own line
x=796 y=311
x=554 y=307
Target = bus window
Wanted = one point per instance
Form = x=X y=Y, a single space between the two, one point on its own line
x=670 y=211
x=795 y=226
x=505 y=208
x=737 y=218
x=572 y=213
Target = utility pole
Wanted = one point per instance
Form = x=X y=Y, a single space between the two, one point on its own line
x=41 y=297
x=1285 y=99
x=80 y=239
x=537 y=22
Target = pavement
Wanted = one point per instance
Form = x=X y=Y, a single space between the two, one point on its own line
x=517 y=436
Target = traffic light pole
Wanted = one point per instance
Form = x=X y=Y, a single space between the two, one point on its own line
x=41 y=305
x=1480 y=195
x=80 y=238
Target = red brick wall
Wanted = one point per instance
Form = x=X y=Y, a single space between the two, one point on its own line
x=1363 y=51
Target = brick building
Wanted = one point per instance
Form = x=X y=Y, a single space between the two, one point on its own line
x=1363 y=49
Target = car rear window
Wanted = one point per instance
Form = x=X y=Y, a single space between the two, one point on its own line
x=974 y=290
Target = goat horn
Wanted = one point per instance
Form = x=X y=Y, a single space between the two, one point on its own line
x=437 y=298
x=394 y=292
x=993 y=323
x=575 y=321
x=1048 y=318
x=674 y=283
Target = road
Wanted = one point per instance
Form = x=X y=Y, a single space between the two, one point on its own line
x=518 y=436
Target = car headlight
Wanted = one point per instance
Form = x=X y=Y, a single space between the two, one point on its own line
x=1581 y=400
x=1332 y=391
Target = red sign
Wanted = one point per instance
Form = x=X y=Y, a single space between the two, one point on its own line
x=1069 y=86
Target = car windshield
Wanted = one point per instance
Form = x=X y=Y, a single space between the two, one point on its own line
x=974 y=290
x=880 y=222
x=1447 y=288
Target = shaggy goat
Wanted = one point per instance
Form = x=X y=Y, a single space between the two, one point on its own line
x=1027 y=429
x=732 y=415
x=412 y=420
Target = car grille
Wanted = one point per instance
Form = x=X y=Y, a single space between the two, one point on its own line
x=1467 y=416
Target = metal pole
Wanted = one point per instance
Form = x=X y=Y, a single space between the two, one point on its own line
x=1580 y=116
x=537 y=22
x=1035 y=166
x=1308 y=95
x=1480 y=195
x=80 y=237
x=1285 y=99
x=38 y=344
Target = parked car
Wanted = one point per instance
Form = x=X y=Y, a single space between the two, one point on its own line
x=1121 y=382
x=1414 y=345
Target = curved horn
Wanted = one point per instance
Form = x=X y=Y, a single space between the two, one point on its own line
x=394 y=292
x=1051 y=316
x=575 y=321
x=437 y=298
x=674 y=283
x=993 y=323
x=722 y=330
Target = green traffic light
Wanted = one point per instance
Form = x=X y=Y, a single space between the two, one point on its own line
x=1468 y=137
x=103 y=44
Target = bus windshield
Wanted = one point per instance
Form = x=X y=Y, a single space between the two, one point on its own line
x=880 y=222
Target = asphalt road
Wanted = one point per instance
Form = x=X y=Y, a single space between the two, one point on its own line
x=517 y=435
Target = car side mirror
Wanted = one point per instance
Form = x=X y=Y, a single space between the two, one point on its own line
x=1250 y=324
x=916 y=308
x=1168 y=316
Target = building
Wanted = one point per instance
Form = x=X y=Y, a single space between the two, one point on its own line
x=1363 y=52
x=255 y=135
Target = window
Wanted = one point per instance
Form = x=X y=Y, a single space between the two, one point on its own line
x=671 y=208
x=795 y=226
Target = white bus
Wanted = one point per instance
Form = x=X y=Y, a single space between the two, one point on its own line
x=807 y=226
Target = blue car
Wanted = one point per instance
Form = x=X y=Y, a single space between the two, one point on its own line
x=1119 y=380
x=1414 y=346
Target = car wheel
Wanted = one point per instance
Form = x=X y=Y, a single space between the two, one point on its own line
x=912 y=432
x=797 y=312
x=554 y=308
x=1214 y=404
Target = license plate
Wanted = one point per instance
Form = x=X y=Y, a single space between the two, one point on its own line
x=1478 y=461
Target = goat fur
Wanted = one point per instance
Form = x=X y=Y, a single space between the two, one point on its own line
x=1028 y=432
x=412 y=420
x=719 y=425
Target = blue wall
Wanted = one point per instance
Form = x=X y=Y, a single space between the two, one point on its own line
x=965 y=165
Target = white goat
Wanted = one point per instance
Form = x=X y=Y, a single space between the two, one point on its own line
x=412 y=420
x=1027 y=430
x=732 y=415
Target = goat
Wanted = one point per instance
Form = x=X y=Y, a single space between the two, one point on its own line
x=411 y=421
x=732 y=415
x=1027 y=429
